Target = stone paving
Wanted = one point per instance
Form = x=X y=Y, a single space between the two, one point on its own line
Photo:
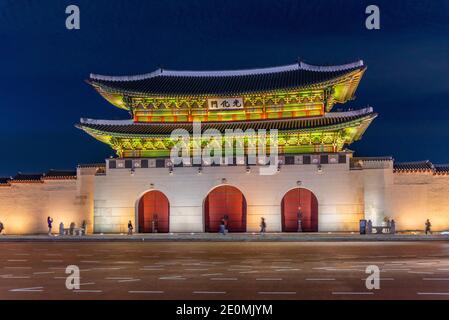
x=230 y=237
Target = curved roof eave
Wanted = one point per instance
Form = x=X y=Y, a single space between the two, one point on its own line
x=230 y=73
x=368 y=117
x=317 y=85
x=178 y=84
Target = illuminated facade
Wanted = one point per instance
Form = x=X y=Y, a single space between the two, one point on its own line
x=294 y=99
x=316 y=176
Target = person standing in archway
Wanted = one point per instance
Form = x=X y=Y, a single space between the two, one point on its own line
x=154 y=224
x=299 y=219
x=222 y=226
x=226 y=223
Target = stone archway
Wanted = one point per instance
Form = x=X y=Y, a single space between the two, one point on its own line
x=154 y=210
x=225 y=201
x=292 y=200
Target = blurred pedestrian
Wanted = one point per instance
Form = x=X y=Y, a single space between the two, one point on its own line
x=299 y=214
x=130 y=228
x=83 y=227
x=61 y=229
x=369 y=227
x=428 y=227
x=226 y=223
x=50 y=224
x=72 y=228
x=263 y=225
x=393 y=227
x=1 y=227
x=155 y=224
x=222 y=226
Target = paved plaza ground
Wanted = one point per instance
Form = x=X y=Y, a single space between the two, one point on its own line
x=224 y=270
x=232 y=237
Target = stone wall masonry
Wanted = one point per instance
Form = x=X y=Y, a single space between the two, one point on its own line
x=338 y=190
x=108 y=201
x=24 y=207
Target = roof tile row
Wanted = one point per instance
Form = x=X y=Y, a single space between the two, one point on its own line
x=39 y=177
x=421 y=166
x=224 y=83
x=153 y=128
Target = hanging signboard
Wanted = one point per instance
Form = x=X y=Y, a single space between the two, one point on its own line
x=225 y=104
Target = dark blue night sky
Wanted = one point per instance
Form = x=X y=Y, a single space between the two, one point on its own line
x=44 y=65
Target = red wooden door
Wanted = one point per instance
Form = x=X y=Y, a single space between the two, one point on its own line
x=225 y=201
x=291 y=202
x=154 y=205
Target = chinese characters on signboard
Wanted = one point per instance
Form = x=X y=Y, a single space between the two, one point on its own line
x=225 y=104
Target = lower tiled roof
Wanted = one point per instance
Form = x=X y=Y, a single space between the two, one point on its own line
x=425 y=166
x=92 y=165
x=416 y=166
x=27 y=177
x=40 y=177
x=126 y=127
x=442 y=169
x=60 y=174
x=5 y=181
x=385 y=158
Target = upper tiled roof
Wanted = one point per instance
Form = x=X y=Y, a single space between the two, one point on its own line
x=128 y=127
x=168 y=82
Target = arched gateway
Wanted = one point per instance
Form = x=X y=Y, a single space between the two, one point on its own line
x=291 y=202
x=280 y=98
x=225 y=201
x=154 y=212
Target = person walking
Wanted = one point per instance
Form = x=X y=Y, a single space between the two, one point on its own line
x=50 y=224
x=428 y=226
x=1 y=227
x=84 y=227
x=392 y=226
x=263 y=225
x=130 y=228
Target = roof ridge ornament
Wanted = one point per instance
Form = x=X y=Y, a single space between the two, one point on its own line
x=144 y=76
x=309 y=67
x=356 y=112
x=105 y=122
